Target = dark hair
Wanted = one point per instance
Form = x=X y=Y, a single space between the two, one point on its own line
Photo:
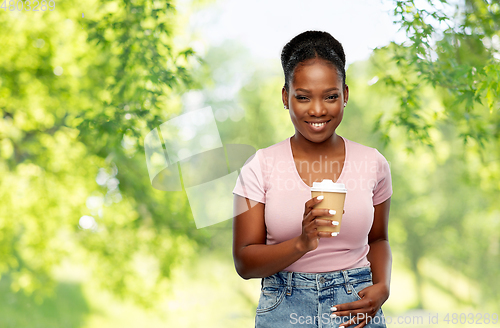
x=309 y=45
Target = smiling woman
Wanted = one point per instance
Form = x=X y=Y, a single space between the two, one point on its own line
x=335 y=279
x=314 y=103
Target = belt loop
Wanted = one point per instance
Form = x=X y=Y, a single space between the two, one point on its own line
x=346 y=281
x=289 y=283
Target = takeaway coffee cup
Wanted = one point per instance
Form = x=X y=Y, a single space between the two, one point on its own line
x=334 y=198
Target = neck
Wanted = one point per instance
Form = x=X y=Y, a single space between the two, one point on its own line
x=315 y=149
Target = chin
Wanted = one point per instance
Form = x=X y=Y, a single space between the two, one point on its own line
x=318 y=138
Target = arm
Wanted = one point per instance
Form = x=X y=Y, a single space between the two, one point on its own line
x=252 y=257
x=380 y=256
x=380 y=259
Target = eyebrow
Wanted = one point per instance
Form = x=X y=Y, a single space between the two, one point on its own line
x=324 y=91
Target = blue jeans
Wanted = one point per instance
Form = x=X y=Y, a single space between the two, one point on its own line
x=296 y=299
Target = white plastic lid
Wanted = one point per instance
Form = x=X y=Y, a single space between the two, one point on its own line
x=328 y=186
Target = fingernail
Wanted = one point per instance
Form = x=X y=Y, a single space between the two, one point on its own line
x=333 y=309
x=334 y=234
x=332 y=212
x=335 y=222
x=320 y=197
x=333 y=315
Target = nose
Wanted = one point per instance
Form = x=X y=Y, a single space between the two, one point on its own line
x=317 y=108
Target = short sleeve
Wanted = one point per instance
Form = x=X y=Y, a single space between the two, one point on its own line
x=250 y=182
x=383 y=188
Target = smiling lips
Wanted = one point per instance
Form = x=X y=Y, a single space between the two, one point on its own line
x=317 y=126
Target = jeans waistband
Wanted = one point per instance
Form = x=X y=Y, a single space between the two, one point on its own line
x=318 y=280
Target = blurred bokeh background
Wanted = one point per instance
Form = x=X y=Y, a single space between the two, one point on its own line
x=87 y=242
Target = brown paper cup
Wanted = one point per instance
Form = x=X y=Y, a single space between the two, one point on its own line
x=334 y=199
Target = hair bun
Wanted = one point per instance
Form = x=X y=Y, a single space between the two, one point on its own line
x=312 y=44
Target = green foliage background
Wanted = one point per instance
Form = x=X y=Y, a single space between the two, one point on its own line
x=72 y=145
x=120 y=69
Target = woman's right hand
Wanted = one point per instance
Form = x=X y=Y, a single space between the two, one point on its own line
x=309 y=239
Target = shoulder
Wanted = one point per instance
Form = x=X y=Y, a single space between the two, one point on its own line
x=277 y=151
x=269 y=155
x=280 y=146
x=370 y=155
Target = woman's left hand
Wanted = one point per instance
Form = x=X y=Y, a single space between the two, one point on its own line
x=361 y=312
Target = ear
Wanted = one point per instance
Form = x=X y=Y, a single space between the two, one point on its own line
x=346 y=93
x=284 y=97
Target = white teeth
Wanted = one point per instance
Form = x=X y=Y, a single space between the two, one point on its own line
x=317 y=124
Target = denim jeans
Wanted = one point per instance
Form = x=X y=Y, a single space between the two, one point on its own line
x=296 y=299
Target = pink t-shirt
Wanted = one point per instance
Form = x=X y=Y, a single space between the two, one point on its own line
x=270 y=177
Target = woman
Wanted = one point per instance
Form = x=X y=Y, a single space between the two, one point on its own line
x=311 y=278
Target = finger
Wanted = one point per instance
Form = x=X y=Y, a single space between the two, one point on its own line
x=311 y=229
x=309 y=217
x=359 y=319
x=357 y=314
x=355 y=307
x=316 y=211
x=322 y=212
x=353 y=312
x=313 y=235
x=308 y=224
x=313 y=213
x=313 y=201
x=325 y=222
x=327 y=234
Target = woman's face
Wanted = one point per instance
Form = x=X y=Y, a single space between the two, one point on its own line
x=315 y=99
